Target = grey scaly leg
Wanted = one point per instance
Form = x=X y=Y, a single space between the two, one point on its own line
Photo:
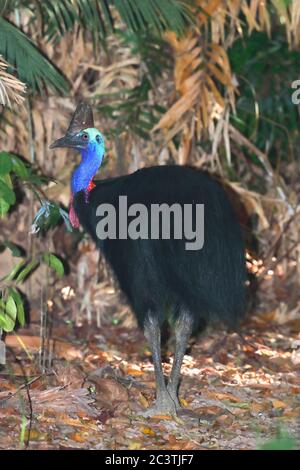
x=164 y=403
x=183 y=331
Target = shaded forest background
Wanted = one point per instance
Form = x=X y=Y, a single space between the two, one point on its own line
x=203 y=83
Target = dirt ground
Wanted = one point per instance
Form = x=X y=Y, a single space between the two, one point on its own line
x=238 y=390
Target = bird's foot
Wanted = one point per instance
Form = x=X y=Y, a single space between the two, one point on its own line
x=164 y=405
x=173 y=394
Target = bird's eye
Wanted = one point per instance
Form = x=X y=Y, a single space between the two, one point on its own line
x=98 y=138
x=85 y=136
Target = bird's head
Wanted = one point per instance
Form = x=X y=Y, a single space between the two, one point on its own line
x=89 y=139
x=81 y=134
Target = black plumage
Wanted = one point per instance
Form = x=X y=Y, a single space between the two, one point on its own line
x=161 y=278
x=157 y=274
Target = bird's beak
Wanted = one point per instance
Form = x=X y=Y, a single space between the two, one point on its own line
x=72 y=141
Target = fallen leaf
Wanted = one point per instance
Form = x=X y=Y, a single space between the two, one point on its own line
x=77 y=437
x=278 y=403
x=161 y=416
x=172 y=439
x=292 y=413
x=224 y=419
x=258 y=407
x=134 y=446
x=143 y=400
x=148 y=431
x=108 y=390
x=222 y=396
x=35 y=435
x=134 y=371
x=61 y=349
x=183 y=402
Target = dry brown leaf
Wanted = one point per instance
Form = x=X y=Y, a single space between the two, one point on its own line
x=35 y=435
x=219 y=74
x=224 y=419
x=109 y=391
x=12 y=90
x=77 y=437
x=223 y=396
x=147 y=431
x=214 y=90
x=133 y=370
x=278 y=403
x=60 y=348
x=161 y=417
x=143 y=401
x=292 y=413
x=256 y=407
x=209 y=8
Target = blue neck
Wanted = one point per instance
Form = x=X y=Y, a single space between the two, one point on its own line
x=86 y=170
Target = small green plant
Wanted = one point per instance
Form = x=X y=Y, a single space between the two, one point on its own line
x=14 y=171
x=11 y=301
x=283 y=441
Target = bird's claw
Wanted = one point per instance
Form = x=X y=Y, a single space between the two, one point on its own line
x=165 y=405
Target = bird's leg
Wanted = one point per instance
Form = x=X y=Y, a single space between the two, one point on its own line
x=183 y=331
x=164 y=403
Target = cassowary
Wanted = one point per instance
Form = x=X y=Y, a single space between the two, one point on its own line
x=162 y=279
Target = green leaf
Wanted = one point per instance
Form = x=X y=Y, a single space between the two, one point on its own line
x=15 y=250
x=15 y=271
x=32 y=66
x=97 y=16
x=51 y=260
x=7 y=193
x=19 y=303
x=11 y=308
x=5 y=163
x=48 y=216
x=10 y=314
x=4 y=207
x=19 y=167
x=3 y=322
x=27 y=270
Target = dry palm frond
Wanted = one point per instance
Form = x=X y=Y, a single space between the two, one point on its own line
x=293 y=26
x=198 y=71
x=254 y=204
x=205 y=87
x=12 y=90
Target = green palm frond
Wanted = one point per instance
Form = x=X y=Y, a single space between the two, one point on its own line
x=32 y=66
x=97 y=16
x=94 y=16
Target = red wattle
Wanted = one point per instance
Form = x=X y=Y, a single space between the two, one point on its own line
x=91 y=186
x=72 y=215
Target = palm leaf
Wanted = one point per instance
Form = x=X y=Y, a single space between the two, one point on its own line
x=32 y=66
x=97 y=16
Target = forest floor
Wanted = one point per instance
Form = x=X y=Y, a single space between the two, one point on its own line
x=238 y=391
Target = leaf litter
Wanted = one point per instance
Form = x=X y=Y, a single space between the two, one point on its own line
x=238 y=391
